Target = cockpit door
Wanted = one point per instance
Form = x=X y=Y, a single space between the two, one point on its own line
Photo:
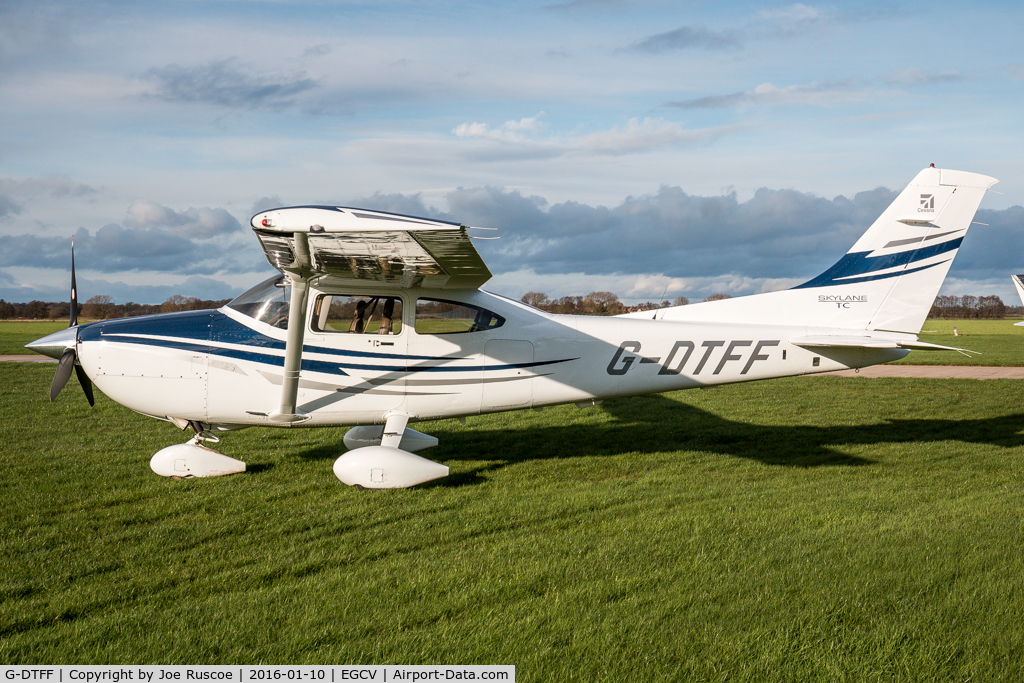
x=354 y=355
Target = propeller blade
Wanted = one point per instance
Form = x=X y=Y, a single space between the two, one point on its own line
x=74 y=289
x=86 y=383
x=64 y=366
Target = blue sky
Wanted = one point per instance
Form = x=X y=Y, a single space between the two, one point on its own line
x=647 y=148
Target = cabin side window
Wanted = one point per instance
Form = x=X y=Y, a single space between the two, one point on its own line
x=434 y=316
x=357 y=314
x=267 y=302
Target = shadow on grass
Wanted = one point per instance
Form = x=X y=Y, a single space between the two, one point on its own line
x=656 y=424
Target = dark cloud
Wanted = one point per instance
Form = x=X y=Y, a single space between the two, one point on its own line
x=227 y=84
x=265 y=204
x=317 y=51
x=8 y=206
x=14 y=192
x=777 y=233
x=685 y=38
x=117 y=248
x=407 y=205
x=774 y=234
x=200 y=287
x=735 y=99
x=997 y=247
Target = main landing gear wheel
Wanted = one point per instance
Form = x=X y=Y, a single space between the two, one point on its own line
x=380 y=457
x=193 y=459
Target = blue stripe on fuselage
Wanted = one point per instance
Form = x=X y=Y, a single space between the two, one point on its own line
x=214 y=327
x=202 y=331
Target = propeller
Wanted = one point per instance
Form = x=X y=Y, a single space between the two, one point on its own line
x=70 y=355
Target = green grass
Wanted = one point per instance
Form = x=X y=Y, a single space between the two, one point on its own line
x=14 y=334
x=999 y=342
x=804 y=529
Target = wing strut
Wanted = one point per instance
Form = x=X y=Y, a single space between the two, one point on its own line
x=298 y=272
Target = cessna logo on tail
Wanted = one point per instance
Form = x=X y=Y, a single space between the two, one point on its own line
x=927 y=203
x=681 y=352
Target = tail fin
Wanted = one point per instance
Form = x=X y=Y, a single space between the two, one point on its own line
x=889 y=279
x=904 y=256
x=1018 y=282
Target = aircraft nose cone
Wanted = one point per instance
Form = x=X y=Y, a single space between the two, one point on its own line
x=53 y=345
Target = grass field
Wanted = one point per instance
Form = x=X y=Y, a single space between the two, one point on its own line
x=795 y=530
x=14 y=334
x=999 y=342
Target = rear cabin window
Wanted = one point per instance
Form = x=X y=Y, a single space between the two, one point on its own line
x=434 y=316
x=365 y=314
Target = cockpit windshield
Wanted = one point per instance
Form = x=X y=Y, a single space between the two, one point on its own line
x=267 y=302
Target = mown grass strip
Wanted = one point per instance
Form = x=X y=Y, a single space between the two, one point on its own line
x=14 y=334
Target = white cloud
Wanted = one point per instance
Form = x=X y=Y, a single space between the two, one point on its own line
x=912 y=76
x=793 y=15
x=510 y=131
x=637 y=136
x=816 y=94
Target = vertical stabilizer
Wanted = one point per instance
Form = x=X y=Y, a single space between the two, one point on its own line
x=905 y=255
x=889 y=278
x=1018 y=282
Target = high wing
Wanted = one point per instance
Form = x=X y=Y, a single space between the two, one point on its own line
x=347 y=246
x=343 y=246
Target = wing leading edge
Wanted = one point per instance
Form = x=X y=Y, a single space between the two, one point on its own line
x=353 y=246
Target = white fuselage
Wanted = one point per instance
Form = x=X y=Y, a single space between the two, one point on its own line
x=224 y=368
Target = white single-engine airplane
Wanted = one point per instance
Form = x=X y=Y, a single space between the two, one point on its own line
x=377 y=319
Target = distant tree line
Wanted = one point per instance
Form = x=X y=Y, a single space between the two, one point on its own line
x=600 y=303
x=101 y=307
x=967 y=306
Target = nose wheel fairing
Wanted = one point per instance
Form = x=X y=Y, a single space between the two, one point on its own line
x=193 y=459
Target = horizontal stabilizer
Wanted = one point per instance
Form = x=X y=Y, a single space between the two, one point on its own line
x=865 y=342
